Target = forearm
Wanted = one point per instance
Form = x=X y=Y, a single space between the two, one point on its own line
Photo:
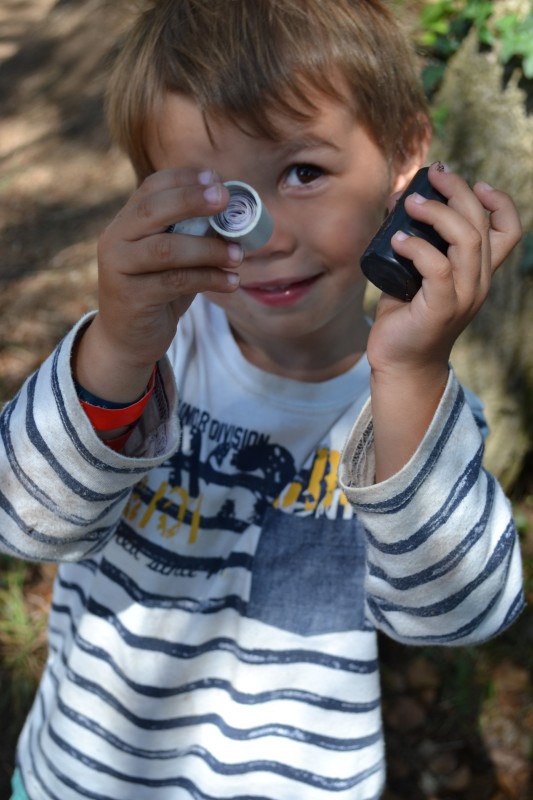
x=105 y=371
x=443 y=557
x=62 y=489
x=403 y=406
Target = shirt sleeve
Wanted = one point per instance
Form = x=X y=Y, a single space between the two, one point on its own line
x=443 y=558
x=62 y=490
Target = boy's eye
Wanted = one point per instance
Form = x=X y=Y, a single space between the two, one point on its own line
x=303 y=174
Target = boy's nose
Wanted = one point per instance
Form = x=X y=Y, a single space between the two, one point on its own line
x=282 y=240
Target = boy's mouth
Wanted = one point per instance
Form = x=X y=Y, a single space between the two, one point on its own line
x=280 y=293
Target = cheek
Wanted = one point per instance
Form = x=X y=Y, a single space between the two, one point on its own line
x=343 y=234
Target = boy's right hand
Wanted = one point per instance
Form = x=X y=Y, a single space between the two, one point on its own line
x=148 y=278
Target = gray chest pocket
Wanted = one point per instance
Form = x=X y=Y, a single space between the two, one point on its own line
x=308 y=574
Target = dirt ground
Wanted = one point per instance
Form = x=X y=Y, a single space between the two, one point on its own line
x=60 y=183
x=459 y=724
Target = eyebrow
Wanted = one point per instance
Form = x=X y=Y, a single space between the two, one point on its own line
x=306 y=143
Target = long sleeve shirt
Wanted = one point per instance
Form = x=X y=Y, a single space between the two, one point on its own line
x=213 y=626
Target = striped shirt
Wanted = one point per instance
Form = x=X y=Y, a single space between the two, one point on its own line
x=212 y=633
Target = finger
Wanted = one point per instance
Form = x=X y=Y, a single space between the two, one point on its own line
x=146 y=283
x=501 y=227
x=165 y=179
x=166 y=251
x=167 y=197
x=438 y=284
x=169 y=285
x=466 y=233
x=174 y=179
x=155 y=213
x=460 y=198
x=505 y=229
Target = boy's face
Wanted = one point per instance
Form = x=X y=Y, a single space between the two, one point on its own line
x=299 y=308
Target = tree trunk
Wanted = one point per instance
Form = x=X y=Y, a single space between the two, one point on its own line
x=488 y=136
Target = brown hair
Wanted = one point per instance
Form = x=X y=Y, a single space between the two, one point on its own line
x=244 y=59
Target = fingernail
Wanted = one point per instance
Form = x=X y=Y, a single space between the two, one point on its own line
x=232 y=278
x=401 y=236
x=486 y=186
x=207 y=176
x=213 y=193
x=441 y=166
x=235 y=254
x=418 y=198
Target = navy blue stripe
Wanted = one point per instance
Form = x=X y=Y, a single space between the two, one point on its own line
x=459 y=491
x=516 y=608
x=445 y=638
x=37 y=745
x=34 y=490
x=240 y=770
x=446 y=564
x=501 y=551
x=176 y=723
x=7 y=547
x=38 y=442
x=181 y=783
x=205 y=684
x=53 y=541
x=399 y=501
x=104 y=536
x=258 y=656
x=459 y=633
x=167 y=562
x=188 y=604
x=9 y=510
x=94 y=462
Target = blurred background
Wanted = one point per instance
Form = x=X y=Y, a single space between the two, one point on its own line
x=459 y=722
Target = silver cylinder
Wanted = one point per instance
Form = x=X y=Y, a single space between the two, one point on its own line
x=245 y=220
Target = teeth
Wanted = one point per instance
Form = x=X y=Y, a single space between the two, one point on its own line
x=281 y=288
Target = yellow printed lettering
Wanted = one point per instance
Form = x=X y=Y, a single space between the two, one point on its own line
x=289 y=496
x=317 y=475
x=152 y=507
x=331 y=477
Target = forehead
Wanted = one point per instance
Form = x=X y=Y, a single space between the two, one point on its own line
x=180 y=125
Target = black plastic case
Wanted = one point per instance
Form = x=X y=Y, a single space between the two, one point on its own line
x=383 y=267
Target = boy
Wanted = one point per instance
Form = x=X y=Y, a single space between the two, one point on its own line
x=212 y=632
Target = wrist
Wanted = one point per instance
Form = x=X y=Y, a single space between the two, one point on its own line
x=106 y=415
x=409 y=395
x=105 y=371
x=430 y=378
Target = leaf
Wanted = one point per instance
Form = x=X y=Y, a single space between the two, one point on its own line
x=527 y=66
x=431 y=76
x=526 y=264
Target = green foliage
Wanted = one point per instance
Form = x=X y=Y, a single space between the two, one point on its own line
x=526 y=265
x=443 y=24
x=439 y=116
x=22 y=635
x=516 y=40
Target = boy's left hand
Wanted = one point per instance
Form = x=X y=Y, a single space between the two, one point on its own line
x=410 y=343
x=481 y=226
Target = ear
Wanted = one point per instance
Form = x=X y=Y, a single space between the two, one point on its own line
x=413 y=158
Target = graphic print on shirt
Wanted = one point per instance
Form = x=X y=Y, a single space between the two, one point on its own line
x=229 y=487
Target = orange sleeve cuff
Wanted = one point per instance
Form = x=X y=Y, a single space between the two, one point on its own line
x=108 y=419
